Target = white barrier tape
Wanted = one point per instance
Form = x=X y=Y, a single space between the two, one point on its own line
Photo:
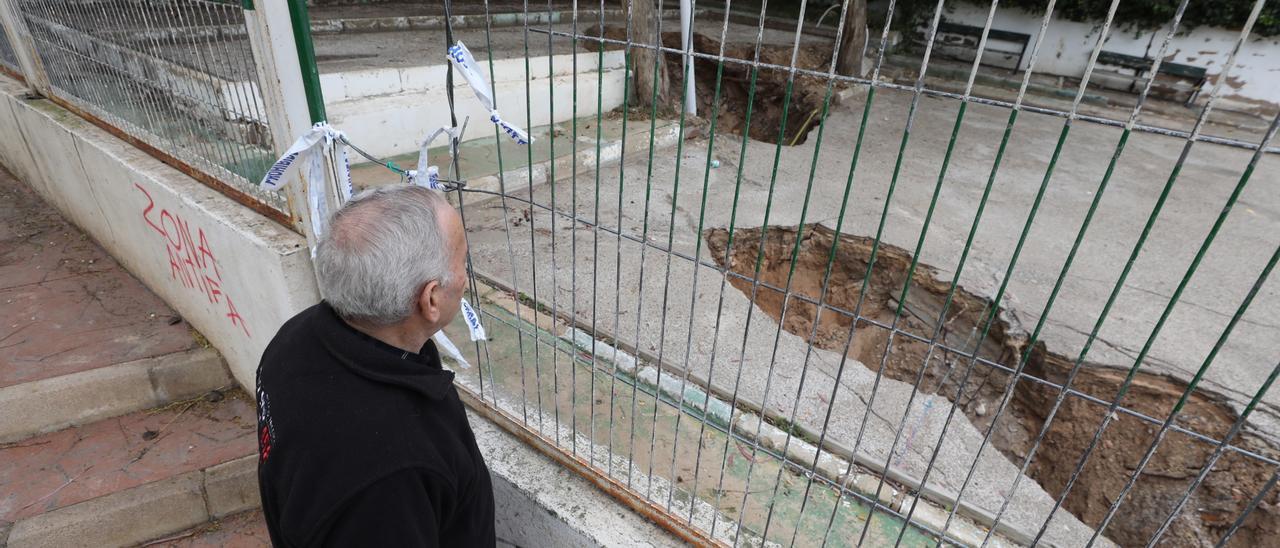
x=473 y=322
x=432 y=178
x=515 y=133
x=431 y=181
x=466 y=64
x=318 y=202
x=319 y=139
x=462 y=60
x=309 y=151
x=345 y=186
x=449 y=349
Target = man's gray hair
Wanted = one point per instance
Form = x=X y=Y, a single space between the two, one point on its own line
x=381 y=248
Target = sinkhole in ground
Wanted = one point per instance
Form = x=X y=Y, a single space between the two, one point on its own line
x=1216 y=504
x=767 y=94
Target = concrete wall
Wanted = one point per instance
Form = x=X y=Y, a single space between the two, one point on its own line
x=1253 y=83
x=231 y=273
x=382 y=109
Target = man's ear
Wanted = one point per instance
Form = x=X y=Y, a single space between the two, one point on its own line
x=429 y=301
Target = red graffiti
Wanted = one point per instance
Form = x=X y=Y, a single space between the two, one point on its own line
x=191 y=260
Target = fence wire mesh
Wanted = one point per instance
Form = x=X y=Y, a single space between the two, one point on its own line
x=177 y=74
x=8 y=59
x=823 y=324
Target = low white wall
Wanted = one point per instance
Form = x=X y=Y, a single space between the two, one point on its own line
x=388 y=111
x=1253 y=83
x=230 y=272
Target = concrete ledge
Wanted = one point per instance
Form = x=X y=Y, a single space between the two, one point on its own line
x=381 y=108
x=611 y=152
x=146 y=512
x=119 y=519
x=52 y=404
x=540 y=503
x=232 y=487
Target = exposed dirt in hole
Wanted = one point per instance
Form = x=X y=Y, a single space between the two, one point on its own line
x=1213 y=508
x=804 y=110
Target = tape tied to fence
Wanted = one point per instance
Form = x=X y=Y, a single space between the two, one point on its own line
x=473 y=325
x=462 y=60
x=473 y=322
x=429 y=175
x=450 y=349
x=308 y=152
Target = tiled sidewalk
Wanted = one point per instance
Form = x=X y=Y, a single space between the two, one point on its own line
x=65 y=305
x=117 y=426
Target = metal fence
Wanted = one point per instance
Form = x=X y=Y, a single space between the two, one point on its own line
x=174 y=76
x=741 y=353
x=7 y=58
x=812 y=323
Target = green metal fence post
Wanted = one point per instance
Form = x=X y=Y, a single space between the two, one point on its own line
x=289 y=84
x=301 y=22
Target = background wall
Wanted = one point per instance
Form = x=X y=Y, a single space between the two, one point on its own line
x=1253 y=83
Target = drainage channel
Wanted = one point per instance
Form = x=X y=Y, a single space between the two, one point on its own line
x=1214 y=506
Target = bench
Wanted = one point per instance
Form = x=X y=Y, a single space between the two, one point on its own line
x=1130 y=73
x=1004 y=48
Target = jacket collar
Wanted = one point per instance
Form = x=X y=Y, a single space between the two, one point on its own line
x=380 y=362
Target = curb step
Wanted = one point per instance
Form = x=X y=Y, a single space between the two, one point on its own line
x=46 y=405
x=129 y=479
x=245 y=529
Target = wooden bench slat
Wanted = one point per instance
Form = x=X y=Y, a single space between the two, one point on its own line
x=970 y=30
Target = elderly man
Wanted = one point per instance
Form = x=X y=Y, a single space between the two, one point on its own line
x=362 y=438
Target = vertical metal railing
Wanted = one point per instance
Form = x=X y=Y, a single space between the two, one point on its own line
x=689 y=400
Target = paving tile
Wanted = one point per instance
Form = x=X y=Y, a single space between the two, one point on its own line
x=65 y=304
x=55 y=470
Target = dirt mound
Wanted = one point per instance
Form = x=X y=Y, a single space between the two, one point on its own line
x=1214 y=506
x=803 y=112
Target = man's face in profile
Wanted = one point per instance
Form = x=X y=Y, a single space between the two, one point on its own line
x=452 y=225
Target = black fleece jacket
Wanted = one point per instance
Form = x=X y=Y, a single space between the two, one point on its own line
x=363 y=444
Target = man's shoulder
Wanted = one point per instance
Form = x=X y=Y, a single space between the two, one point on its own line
x=298 y=342
x=301 y=328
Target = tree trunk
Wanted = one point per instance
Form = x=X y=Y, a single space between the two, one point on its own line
x=644 y=29
x=853 y=39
